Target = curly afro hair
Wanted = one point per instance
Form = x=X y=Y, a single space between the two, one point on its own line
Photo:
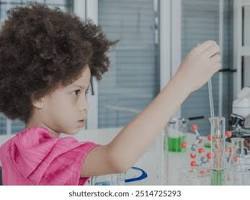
x=41 y=48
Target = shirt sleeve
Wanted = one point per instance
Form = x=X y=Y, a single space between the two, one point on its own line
x=63 y=164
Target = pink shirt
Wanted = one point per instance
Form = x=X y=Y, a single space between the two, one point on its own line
x=35 y=157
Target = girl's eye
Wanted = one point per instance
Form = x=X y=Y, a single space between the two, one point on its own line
x=77 y=92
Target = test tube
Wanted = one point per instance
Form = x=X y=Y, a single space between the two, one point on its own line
x=175 y=136
x=217 y=150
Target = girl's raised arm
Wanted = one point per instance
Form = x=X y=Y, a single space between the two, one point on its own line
x=132 y=141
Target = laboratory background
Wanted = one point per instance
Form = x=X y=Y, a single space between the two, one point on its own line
x=207 y=142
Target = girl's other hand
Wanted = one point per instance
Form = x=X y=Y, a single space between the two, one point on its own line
x=199 y=65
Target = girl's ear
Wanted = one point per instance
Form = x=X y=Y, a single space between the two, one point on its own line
x=38 y=102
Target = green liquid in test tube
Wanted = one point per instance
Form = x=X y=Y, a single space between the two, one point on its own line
x=175 y=136
x=217 y=177
x=174 y=144
x=217 y=149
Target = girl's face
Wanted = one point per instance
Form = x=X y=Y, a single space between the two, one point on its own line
x=65 y=109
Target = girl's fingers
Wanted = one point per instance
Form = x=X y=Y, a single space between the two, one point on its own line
x=204 y=46
x=216 y=61
x=216 y=58
x=212 y=51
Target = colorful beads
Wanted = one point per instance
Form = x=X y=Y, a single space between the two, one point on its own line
x=194 y=128
x=209 y=137
x=203 y=160
x=193 y=155
x=202 y=172
x=209 y=155
x=228 y=134
x=201 y=155
x=193 y=147
x=193 y=163
x=184 y=145
x=201 y=150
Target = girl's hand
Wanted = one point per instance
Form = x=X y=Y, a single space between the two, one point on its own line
x=199 y=65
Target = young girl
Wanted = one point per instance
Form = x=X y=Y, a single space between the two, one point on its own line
x=47 y=58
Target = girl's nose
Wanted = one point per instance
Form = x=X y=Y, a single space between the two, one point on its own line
x=83 y=103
